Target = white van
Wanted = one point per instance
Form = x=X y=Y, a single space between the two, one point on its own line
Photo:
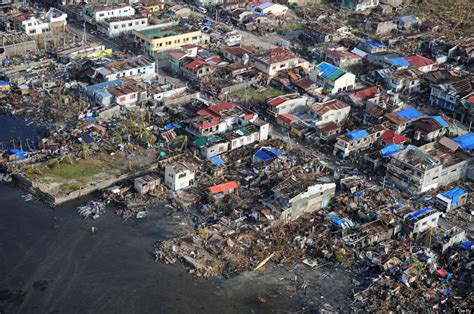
x=202 y=10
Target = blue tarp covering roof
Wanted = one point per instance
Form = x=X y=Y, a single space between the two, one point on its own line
x=275 y=151
x=466 y=141
x=390 y=150
x=401 y=62
x=440 y=120
x=465 y=245
x=420 y=212
x=97 y=87
x=454 y=195
x=337 y=221
x=262 y=155
x=19 y=153
x=409 y=113
x=208 y=22
x=91 y=118
x=171 y=126
x=374 y=44
x=355 y=134
x=217 y=161
x=326 y=68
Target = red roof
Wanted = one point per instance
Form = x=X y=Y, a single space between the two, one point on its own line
x=419 y=61
x=216 y=189
x=442 y=272
x=195 y=64
x=367 y=93
x=276 y=101
x=390 y=137
x=287 y=118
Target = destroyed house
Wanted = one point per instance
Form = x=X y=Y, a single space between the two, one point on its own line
x=277 y=59
x=431 y=128
x=303 y=194
x=239 y=54
x=128 y=94
x=132 y=67
x=147 y=183
x=419 y=169
x=330 y=111
x=405 y=82
x=370 y=46
x=357 y=140
x=289 y=103
x=448 y=94
x=341 y=57
x=195 y=69
x=400 y=120
x=98 y=93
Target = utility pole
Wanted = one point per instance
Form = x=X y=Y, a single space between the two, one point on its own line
x=84 y=36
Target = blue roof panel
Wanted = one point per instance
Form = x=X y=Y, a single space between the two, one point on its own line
x=466 y=141
x=390 y=150
x=327 y=69
x=374 y=44
x=263 y=156
x=454 y=195
x=440 y=120
x=217 y=161
x=401 y=62
x=356 y=134
x=420 y=212
x=274 y=151
x=409 y=113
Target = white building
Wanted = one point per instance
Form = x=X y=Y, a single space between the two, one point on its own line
x=102 y=12
x=44 y=24
x=331 y=111
x=117 y=26
x=178 y=176
x=421 y=220
x=333 y=79
x=137 y=67
x=287 y=104
x=278 y=59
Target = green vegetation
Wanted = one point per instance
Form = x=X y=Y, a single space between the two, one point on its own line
x=253 y=96
x=294 y=26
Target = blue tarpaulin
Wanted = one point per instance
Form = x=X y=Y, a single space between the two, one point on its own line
x=337 y=221
x=171 y=126
x=327 y=69
x=466 y=141
x=409 y=113
x=263 y=156
x=465 y=245
x=440 y=120
x=20 y=155
x=91 y=118
x=353 y=135
x=454 y=195
x=217 y=161
x=401 y=62
x=274 y=151
x=208 y=22
x=420 y=212
x=374 y=44
x=390 y=150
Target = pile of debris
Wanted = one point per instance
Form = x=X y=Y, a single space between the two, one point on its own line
x=93 y=209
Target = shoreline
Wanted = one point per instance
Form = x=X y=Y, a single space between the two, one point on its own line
x=113 y=271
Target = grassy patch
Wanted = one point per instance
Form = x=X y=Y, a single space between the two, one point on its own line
x=253 y=96
x=294 y=26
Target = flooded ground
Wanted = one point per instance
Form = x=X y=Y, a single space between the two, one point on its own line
x=51 y=262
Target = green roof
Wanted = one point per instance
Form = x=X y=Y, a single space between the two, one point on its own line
x=244 y=132
x=157 y=32
x=205 y=140
x=336 y=74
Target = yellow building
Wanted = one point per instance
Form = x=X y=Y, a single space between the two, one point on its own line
x=153 y=6
x=156 y=39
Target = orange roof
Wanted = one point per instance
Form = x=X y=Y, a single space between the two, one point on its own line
x=288 y=118
x=419 y=61
x=277 y=101
x=367 y=93
x=216 y=189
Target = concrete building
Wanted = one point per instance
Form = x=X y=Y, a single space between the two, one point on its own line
x=379 y=25
x=431 y=128
x=147 y=183
x=128 y=94
x=406 y=22
x=330 y=111
x=359 y=5
x=421 y=220
x=448 y=94
x=274 y=9
x=340 y=57
x=278 y=59
x=451 y=199
x=419 y=169
x=331 y=78
x=135 y=67
x=357 y=140
x=402 y=119
x=239 y=54
x=117 y=26
x=304 y=194
x=96 y=13
x=179 y=176
x=15 y=44
x=289 y=103
x=156 y=39
x=48 y=22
